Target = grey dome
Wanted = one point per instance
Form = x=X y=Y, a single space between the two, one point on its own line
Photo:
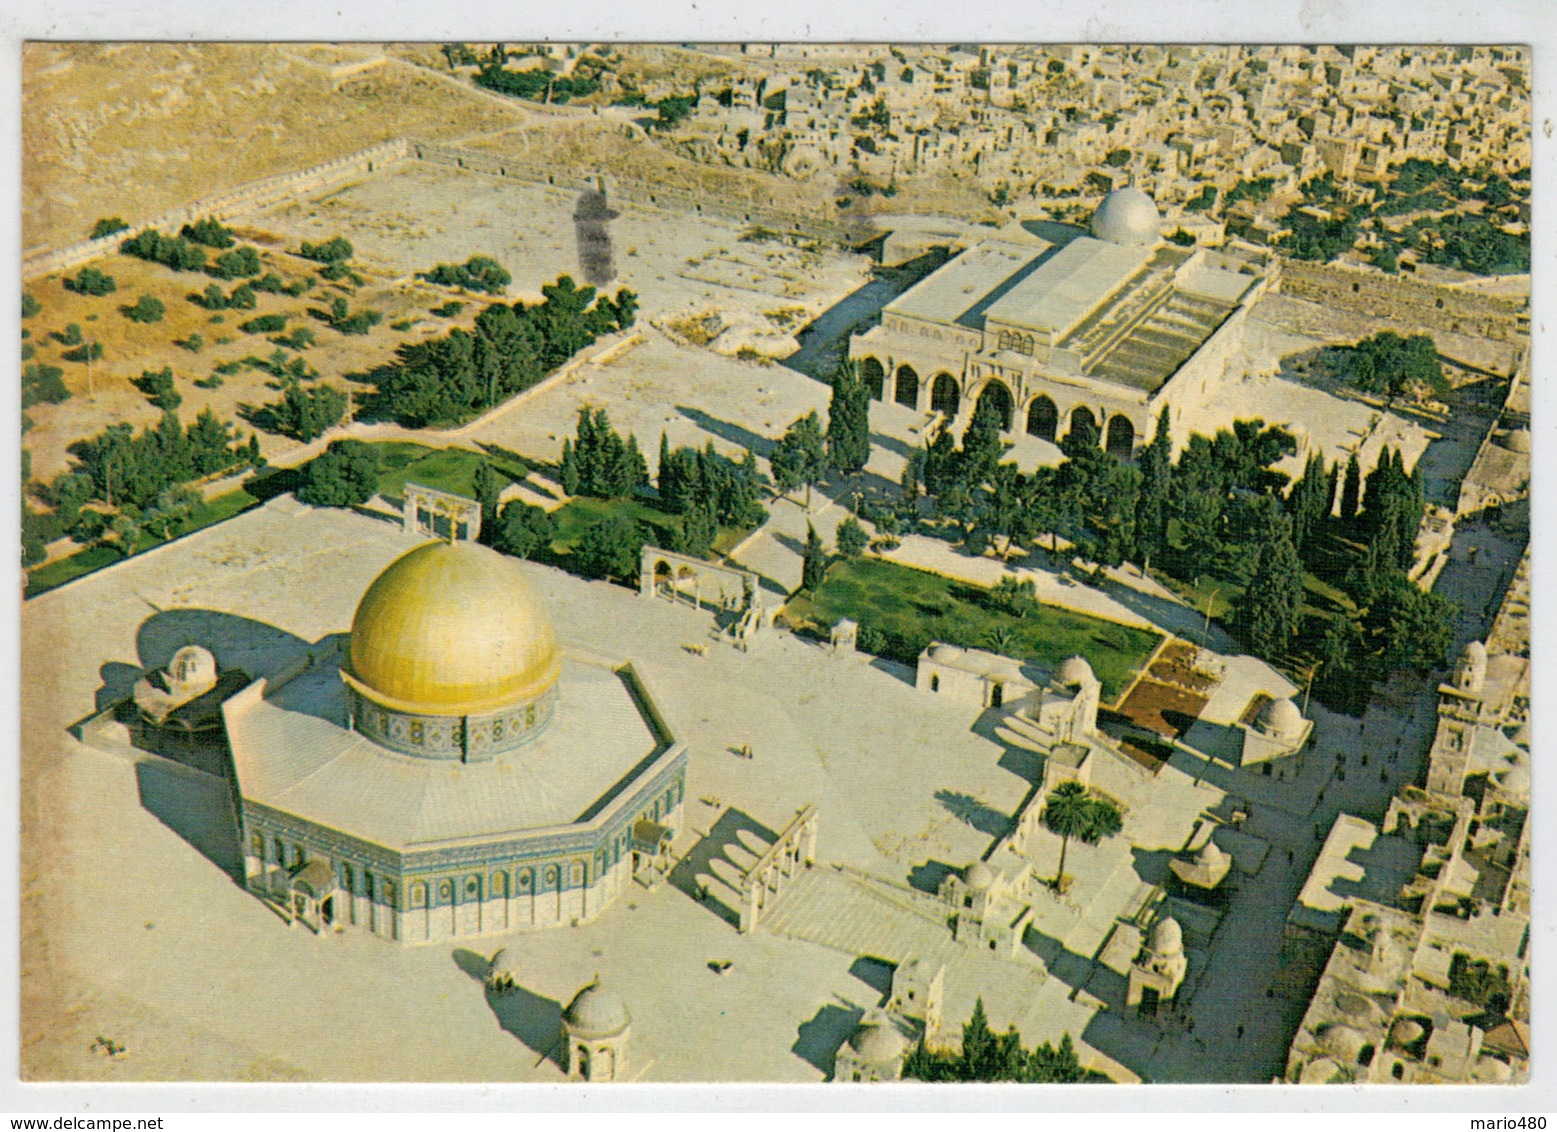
x=1281 y=719
x=1073 y=671
x=978 y=876
x=1127 y=216
x=504 y=962
x=596 y=1012
x=1167 y=937
x=878 y=1043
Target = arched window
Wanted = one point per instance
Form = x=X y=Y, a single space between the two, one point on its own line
x=418 y=895
x=578 y=875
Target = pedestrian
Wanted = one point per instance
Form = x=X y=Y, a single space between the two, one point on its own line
x=1240 y=1029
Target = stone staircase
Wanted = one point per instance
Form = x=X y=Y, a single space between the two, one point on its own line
x=858 y=915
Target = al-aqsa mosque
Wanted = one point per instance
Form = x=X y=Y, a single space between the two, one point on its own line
x=458 y=772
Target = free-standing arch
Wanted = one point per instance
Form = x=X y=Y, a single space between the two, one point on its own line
x=997 y=392
x=907 y=386
x=874 y=376
x=944 y=395
x=1043 y=420
x=1120 y=440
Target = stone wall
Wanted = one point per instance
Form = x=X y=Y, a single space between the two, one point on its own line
x=757 y=212
x=245 y=198
x=1429 y=306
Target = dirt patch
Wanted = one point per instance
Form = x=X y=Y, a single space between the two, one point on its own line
x=1161 y=708
x=1177 y=665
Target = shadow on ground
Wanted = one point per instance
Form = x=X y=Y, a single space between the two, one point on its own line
x=817 y=1041
x=196 y=806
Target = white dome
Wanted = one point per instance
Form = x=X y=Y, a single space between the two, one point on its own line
x=1280 y=719
x=1127 y=216
x=878 y=1043
x=946 y=654
x=1167 y=937
x=1073 y=671
x=978 y=876
x=1518 y=440
x=596 y=1012
x=505 y=962
x=191 y=671
x=1471 y=673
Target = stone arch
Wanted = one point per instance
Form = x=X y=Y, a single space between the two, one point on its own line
x=1082 y=416
x=907 y=387
x=663 y=578
x=1043 y=419
x=1120 y=438
x=997 y=390
x=944 y=395
x=874 y=375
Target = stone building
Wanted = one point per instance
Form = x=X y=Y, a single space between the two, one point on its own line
x=1159 y=970
x=459 y=772
x=1113 y=327
x=989 y=909
x=596 y=1028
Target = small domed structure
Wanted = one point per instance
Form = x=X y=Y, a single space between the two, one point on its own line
x=878 y=1043
x=1320 y=1071
x=596 y=1011
x=1167 y=937
x=596 y=1027
x=1518 y=440
x=191 y=672
x=1073 y=672
x=1127 y=216
x=503 y=974
x=1521 y=736
x=946 y=654
x=978 y=876
x=1280 y=719
x=1470 y=674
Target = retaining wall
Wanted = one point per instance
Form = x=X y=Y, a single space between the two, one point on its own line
x=1397 y=297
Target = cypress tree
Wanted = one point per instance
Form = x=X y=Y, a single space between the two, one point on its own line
x=981 y=444
x=1269 y=612
x=1151 y=501
x=664 y=464
x=814 y=567
x=848 y=421
x=1351 y=487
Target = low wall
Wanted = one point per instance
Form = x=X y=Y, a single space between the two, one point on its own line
x=1404 y=299
x=255 y=194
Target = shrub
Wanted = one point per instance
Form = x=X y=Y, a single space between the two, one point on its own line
x=871 y=640
x=71 y=336
x=86 y=352
x=270 y=283
x=30 y=306
x=242 y=298
x=299 y=339
x=43 y=384
x=236 y=264
x=28 y=351
x=478 y=273
x=209 y=232
x=147 y=308
x=91 y=281
x=449 y=309
x=212 y=382
x=158 y=387
x=264 y=324
x=194 y=343
x=359 y=323
x=108 y=226
x=335 y=250
x=170 y=251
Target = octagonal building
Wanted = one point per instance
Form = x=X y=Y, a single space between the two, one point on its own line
x=460 y=772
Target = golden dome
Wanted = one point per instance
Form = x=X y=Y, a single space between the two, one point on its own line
x=451 y=629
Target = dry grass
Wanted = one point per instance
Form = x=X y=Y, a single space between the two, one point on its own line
x=181 y=121
x=129 y=348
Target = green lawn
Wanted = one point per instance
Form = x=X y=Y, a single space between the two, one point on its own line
x=580 y=513
x=444 y=469
x=913 y=608
x=41 y=579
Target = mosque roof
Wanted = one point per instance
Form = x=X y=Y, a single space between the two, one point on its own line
x=293 y=752
x=1069 y=285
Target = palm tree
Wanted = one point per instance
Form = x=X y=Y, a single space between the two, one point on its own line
x=1070 y=812
x=1000 y=639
